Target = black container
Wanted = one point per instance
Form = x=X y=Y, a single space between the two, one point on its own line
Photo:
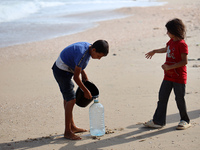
x=81 y=100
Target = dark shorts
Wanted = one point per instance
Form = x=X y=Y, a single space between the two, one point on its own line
x=64 y=80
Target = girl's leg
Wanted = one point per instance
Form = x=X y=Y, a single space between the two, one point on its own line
x=161 y=110
x=179 y=90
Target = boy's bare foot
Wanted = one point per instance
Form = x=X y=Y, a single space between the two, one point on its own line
x=71 y=136
x=78 y=130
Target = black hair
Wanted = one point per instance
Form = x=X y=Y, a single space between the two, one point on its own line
x=101 y=46
x=176 y=27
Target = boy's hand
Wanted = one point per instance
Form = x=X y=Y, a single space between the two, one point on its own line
x=149 y=54
x=88 y=95
x=84 y=78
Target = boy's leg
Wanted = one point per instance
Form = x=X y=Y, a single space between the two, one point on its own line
x=74 y=128
x=179 y=90
x=69 y=134
x=70 y=127
x=161 y=110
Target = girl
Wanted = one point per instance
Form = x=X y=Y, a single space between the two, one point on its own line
x=175 y=75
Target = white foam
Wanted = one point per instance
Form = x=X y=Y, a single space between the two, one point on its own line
x=12 y=10
x=23 y=21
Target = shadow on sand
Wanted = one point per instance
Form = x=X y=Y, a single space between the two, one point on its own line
x=98 y=144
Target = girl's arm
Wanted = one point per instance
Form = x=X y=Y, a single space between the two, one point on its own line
x=150 y=54
x=183 y=62
x=77 y=72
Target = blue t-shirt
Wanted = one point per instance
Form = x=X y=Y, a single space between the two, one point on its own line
x=76 y=54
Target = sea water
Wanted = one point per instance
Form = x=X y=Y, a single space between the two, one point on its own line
x=23 y=21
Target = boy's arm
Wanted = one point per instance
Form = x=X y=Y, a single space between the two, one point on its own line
x=77 y=72
x=84 y=76
x=183 y=62
x=150 y=54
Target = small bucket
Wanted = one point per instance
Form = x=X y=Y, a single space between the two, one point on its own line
x=81 y=100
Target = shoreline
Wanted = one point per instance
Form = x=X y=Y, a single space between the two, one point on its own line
x=31 y=106
x=127 y=13
x=27 y=30
x=40 y=32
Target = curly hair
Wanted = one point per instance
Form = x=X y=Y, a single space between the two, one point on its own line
x=176 y=27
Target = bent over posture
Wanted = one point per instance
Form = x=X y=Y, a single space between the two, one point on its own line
x=71 y=63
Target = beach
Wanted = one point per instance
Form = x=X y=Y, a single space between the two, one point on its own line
x=31 y=105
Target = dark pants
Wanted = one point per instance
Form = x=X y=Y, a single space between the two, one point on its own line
x=164 y=93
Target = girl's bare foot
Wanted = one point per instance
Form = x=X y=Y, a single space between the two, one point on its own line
x=71 y=136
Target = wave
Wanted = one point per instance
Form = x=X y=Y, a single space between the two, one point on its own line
x=12 y=10
x=23 y=21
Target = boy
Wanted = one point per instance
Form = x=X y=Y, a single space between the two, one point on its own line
x=71 y=62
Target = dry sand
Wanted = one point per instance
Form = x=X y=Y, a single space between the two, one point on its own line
x=31 y=106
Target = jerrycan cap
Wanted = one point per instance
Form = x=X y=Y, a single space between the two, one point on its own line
x=96 y=101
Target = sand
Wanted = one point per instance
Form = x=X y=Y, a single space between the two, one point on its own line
x=31 y=106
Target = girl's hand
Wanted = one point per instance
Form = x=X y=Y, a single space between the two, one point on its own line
x=149 y=54
x=165 y=67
